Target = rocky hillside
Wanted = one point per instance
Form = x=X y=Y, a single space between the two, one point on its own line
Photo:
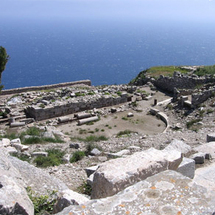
x=152 y=153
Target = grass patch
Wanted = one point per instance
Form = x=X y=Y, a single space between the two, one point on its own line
x=54 y=158
x=125 y=132
x=124 y=118
x=78 y=155
x=206 y=70
x=192 y=122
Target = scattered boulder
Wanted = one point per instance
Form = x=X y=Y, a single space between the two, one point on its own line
x=121 y=153
x=210 y=137
x=130 y=114
x=199 y=157
x=207 y=148
x=187 y=167
x=67 y=198
x=5 y=142
x=95 y=152
x=117 y=174
x=74 y=145
x=180 y=146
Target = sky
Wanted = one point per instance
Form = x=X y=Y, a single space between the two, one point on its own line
x=186 y=10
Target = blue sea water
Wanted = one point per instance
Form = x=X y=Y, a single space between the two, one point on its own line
x=106 y=51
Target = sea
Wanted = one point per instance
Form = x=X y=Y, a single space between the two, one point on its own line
x=103 y=47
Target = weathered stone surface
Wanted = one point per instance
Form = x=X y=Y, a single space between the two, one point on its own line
x=187 y=167
x=199 y=158
x=17 y=124
x=115 y=175
x=95 y=152
x=166 y=193
x=207 y=148
x=205 y=176
x=13 y=196
x=210 y=137
x=74 y=145
x=119 y=154
x=5 y=142
x=91 y=170
x=67 y=198
x=180 y=146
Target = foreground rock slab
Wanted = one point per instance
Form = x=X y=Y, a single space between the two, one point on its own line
x=117 y=174
x=13 y=196
x=166 y=193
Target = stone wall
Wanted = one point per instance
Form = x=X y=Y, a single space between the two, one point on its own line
x=74 y=106
x=200 y=97
x=44 y=87
x=181 y=81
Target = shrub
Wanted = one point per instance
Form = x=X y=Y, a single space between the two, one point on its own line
x=192 y=122
x=54 y=158
x=42 y=203
x=125 y=132
x=78 y=155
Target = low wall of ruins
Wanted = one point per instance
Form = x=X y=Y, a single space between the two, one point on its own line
x=44 y=87
x=181 y=81
x=48 y=112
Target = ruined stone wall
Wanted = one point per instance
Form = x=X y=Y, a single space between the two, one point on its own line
x=181 y=82
x=200 y=97
x=71 y=107
x=44 y=87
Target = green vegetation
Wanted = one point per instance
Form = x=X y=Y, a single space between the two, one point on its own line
x=54 y=158
x=85 y=188
x=155 y=72
x=124 y=118
x=22 y=157
x=206 y=70
x=35 y=135
x=4 y=57
x=79 y=94
x=78 y=155
x=125 y=132
x=190 y=124
x=93 y=138
x=43 y=204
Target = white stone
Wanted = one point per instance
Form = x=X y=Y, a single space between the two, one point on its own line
x=187 y=167
x=117 y=174
x=5 y=142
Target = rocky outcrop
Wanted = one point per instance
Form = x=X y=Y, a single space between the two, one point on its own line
x=115 y=175
x=13 y=196
x=165 y=193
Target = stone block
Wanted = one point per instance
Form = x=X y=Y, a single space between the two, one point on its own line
x=115 y=175
x=187 y=167
x=210 y=137
x=35 y=154
x=199 y=158
x=180 y=146
x=207 y=148
x=67 y=198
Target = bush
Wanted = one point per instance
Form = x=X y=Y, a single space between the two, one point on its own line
x=85 y=188
x=44 y=203
x=54 y=158
x=78 y=155
x=125 y=132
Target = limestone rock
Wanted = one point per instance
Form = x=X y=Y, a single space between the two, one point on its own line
x=199 y=158
x=207 y=148
x=91 y=170
x=115 y=175
x=166 y=193
x=211 y=137
x=180 y=146
x=14 y=199
x=5 y=142
x=95 y=152
x=187 y=167
x=67 y=198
